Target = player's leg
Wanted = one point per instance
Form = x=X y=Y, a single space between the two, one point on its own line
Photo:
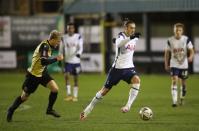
x=29 y=86
x=68 y=86
x=17 y=102
x=135 y=82
x=112 y=79
x=174 y=85
x=68 y=70
x=183 y=90
x=174 y=90
x=52 y=98
x=76 y=72
x=99 y=95
x=75 y=88
x=183 y=76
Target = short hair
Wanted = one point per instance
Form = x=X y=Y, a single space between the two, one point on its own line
x=54 y=34
x=127 y=22
x=179 y=25
x=71 y=24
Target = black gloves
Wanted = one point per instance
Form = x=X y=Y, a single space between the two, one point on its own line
x=135 y=35
x=78 y=55
x=113 y=40
x=59 y=63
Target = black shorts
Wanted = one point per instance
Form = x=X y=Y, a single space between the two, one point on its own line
x=32 y=82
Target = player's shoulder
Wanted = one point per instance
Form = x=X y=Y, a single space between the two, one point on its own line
x=44 y=45
x=184 y=37
x=78 y=35
x=121 y=35
x=171 y=38
x=65 y=36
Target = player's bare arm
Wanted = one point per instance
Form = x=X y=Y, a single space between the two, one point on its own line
x=190 y=58
x=166 y=60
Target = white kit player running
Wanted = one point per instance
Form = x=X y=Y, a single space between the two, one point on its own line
x=71 y=48
x=176 y=61
x=122 y=69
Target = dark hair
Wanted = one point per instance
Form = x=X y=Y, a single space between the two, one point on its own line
x=71 y=23
x=127 y=22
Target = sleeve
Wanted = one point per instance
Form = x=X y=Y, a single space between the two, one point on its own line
x=45 y=59
x=189 y=44
x=168 y=45
x=80 y=48
x=121 y=40
x=61 y=47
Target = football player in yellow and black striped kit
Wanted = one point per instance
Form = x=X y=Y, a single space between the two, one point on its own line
x=37 y=74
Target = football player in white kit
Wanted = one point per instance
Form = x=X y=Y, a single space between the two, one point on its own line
x=122 y=69
x=71 y=47
x=176 y=61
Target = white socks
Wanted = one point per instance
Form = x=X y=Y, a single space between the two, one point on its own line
x=75 y=91
x=133 y=94
x=174 y=93
x=68 y=90
x=181 y=94
x=94 y=101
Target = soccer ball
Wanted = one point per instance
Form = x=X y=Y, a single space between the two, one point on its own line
x=146 y=113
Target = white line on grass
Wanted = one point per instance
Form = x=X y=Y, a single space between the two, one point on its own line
x=23 y=107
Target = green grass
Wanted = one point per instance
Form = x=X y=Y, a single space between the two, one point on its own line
x=106 y=116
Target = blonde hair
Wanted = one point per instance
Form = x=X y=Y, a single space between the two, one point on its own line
x=54 y=34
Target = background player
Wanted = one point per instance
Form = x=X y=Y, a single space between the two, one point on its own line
x=72 y=48
x=122 y=69
x=37 y=74
x=178 y=46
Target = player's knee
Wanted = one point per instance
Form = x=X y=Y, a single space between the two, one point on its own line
x=54 y=89
x=67 y=75
x=183 y=82
x=24 y=97
x=53 y=86
x=104 y=91
x=174 y=82
x=135 y=80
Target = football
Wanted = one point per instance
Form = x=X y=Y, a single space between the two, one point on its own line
x=145 y=113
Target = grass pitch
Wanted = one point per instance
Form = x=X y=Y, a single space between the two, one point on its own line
x=106 y=116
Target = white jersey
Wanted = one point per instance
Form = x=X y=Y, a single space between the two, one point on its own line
x=178 y=49
x=124 y=51
x=70 y=47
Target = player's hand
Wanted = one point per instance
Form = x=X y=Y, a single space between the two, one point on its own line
x=167 y=68
x=78 y=55
x=60 y=57
x=59 y=64
x=114 y=40
x=135 y=35
x=190 y=59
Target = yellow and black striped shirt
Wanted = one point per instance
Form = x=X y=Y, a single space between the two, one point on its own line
x=41 y=58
